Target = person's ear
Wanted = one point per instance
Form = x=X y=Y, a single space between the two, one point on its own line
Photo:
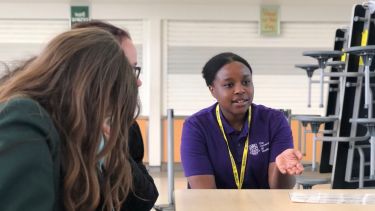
x=106 y=129
x=212 y=90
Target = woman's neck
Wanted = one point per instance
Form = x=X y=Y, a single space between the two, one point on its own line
x=235 y=121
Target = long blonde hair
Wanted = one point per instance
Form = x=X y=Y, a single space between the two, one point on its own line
x=81 y=77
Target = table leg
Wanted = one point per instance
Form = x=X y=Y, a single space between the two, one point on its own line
x=321 y=87
x=299 y=135
x=313 y=153
x=372 y=157
x=304 y=141
x=367 y=86
x=309 y=94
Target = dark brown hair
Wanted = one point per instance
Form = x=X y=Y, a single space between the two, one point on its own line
x=119 y=33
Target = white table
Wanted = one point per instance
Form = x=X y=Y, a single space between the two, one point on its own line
x=259 y=200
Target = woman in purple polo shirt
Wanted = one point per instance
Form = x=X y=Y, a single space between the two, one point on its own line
x=235 y=143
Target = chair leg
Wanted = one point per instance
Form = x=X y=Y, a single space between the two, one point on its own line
x=307 y=186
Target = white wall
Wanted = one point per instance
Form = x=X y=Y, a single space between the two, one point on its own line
x=161 y=86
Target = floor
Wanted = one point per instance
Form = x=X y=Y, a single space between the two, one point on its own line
x=161 y=182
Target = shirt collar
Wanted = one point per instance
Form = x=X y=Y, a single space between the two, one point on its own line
x=229 y=130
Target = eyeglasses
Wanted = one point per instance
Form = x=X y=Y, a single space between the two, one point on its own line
x=137 y=71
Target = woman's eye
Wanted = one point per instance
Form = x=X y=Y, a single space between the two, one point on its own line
x=246 y=83
x=228 y=85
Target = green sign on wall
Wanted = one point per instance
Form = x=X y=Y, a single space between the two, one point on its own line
x=269 y=20
x=79 y=14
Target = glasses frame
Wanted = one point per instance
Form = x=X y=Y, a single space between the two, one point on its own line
x=137 y=71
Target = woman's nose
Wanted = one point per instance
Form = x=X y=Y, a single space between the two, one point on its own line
x=239 y=89
x=139 y=82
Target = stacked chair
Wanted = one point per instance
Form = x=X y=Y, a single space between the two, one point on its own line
x=348 y=152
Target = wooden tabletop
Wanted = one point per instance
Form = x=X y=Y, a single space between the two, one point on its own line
x=262 y=200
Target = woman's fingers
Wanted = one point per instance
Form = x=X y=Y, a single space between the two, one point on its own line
x=295 y=169
x=289 y=162
x=298 y=154
x=282 y=168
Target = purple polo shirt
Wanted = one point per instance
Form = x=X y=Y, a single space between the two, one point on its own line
x=204 y=151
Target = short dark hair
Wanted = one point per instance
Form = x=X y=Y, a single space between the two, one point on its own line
x=115 y=31
x=213 y=65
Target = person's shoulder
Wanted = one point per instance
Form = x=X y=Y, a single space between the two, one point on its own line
x=135 y=127
x=26 y=109
x=22 y=105
x=263 y=108
x=29 y=118
x=261 y=111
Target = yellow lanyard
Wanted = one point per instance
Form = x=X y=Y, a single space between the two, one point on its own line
x=239 y=182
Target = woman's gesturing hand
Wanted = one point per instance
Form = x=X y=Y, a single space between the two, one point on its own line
x=289 y=162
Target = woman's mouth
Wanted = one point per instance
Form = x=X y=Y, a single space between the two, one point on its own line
x=240 y=102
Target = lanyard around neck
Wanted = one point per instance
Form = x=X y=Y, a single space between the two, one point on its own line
x=239 y=181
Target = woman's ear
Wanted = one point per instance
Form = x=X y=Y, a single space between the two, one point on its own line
x=106 y=129
x=212 y=90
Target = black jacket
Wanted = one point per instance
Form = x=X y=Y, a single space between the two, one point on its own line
x=136 y=148
x=145 y=193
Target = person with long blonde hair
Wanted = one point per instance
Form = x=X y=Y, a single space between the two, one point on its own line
x=51 y=118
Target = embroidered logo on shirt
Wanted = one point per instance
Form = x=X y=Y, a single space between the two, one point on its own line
x=264 y=146
x=253 y=148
